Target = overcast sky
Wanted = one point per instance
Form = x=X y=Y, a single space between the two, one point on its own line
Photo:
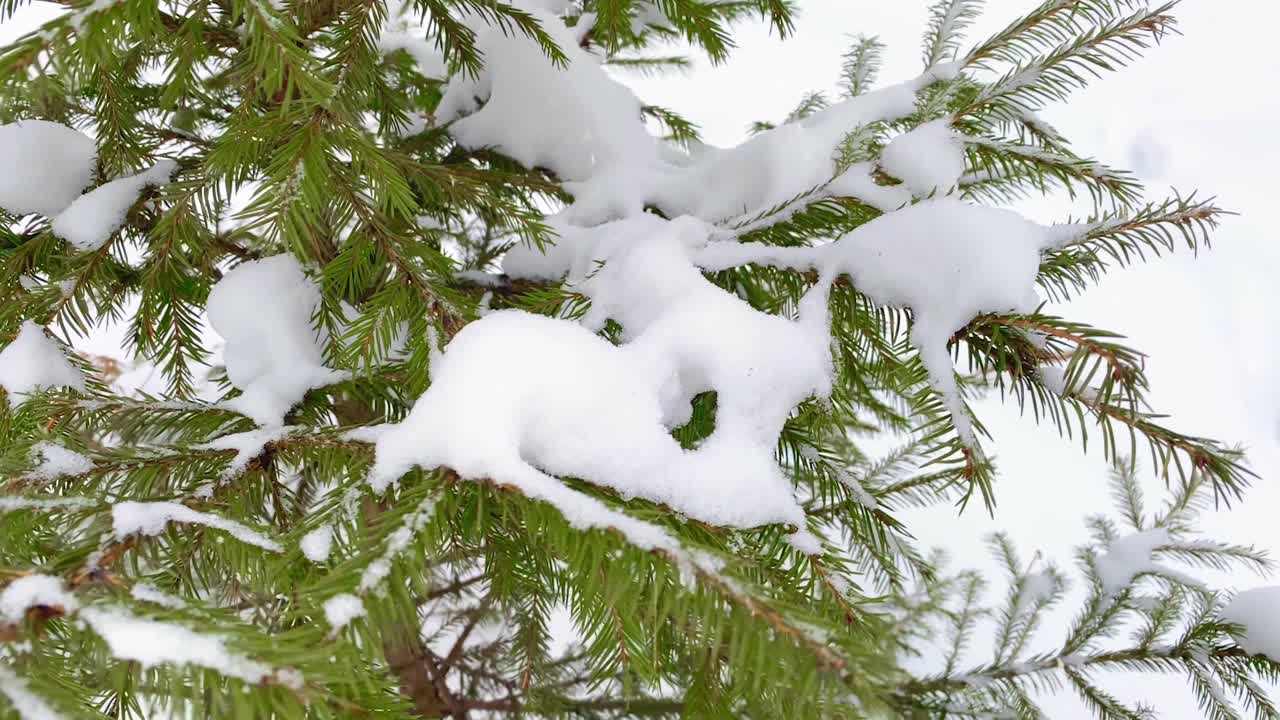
x=1199 y=113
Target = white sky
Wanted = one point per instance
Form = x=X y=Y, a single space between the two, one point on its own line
x=1199 y=113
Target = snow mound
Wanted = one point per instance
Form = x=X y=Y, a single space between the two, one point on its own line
x=54 y=461
x=317 y=544
x=33 y=362
x=31 y=591
x=1128 y=557
x=579 y=406
x=588 y=128
x=1258 y=611
x=340 y=610
x=948 y=261
x=46 y=166
x=928 y=159
x=92 y=218
x=263 y=310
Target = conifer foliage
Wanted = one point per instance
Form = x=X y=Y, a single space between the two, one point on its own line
x=481 y=388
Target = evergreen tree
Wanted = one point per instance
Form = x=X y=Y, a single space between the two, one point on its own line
x=488 y=354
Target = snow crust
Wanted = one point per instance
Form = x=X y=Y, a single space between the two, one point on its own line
x=151 y=643
x=263 y=310
x=1258 y=610
x=28 y=705
x=46 y=166
x=33 y=362
x=31 y=591
x=150 y=518
x=90 y=220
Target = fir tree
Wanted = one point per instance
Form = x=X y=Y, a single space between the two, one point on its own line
x=494 y=343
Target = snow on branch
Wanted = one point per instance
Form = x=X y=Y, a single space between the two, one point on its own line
x=28 y=705
x=1059 y=47
x=35 y=591
x=91 y=219
x=47 y=166
x=13 y=504
x=150 y=518
x=152 y=642
x=129 y=637
x=996 y=159
x=263 y=309
x=948 y=20
x=33 y=362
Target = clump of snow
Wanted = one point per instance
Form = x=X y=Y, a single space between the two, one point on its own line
x=579 y=406
x=31 y=591
x=32 y=362
x=263 y=310
x=586 y=127
x=927 y=159
x=775 y=166
x=46 y=166
x=806 y=542
x=247 y=445
x=151 y=643
x=77 y=18
x=340 y=610
x=146 y=592
x=857 y=182
x=28 y=705
x=1258 y=612
x=948 y=261
x=576 y=120
x=1128 y=557
x=318 y=544
x=54 y=461
x=481 y=278
x=93 y=217
x=150 y=519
